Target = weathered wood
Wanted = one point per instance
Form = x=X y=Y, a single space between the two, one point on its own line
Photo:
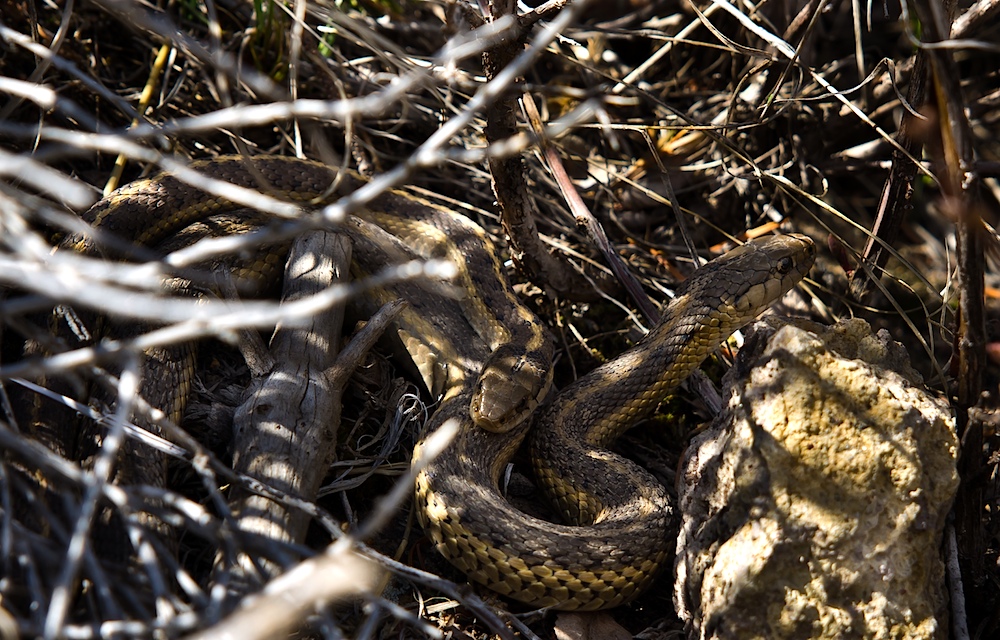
x=285 y=432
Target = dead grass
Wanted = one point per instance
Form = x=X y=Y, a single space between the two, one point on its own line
x=682 y=126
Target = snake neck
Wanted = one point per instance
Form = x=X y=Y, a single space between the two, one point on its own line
x=602 y=405
x=586 y=483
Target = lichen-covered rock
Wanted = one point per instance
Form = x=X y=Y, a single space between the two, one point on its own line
x=815 y=504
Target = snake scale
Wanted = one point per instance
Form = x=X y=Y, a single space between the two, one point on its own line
x=491 y=367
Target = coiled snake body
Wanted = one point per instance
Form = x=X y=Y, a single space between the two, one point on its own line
x=620 y=516
x=491 y=372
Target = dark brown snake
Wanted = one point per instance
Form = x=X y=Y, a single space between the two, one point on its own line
x=491 y=366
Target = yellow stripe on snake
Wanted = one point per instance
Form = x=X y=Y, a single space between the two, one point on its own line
x=489 y=360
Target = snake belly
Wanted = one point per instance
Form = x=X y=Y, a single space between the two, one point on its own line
x=620 y=516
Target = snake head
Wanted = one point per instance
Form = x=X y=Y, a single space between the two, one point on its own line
x=735 y=288
x=763 y=270
x=511 y=384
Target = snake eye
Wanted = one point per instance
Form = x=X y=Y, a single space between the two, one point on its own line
x=784 y=265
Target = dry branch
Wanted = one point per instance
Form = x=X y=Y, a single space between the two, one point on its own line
x=285 y=432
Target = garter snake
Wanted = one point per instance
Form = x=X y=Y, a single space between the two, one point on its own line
x=492 y=371
x=517 y=372
x=620 y=516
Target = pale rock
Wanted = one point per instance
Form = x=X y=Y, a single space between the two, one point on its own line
x=814 y=506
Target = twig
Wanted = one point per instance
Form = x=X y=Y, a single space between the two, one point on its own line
x=978 y=15
x=518 y=211
x=50 y=57
x=62 y=594
x=286 y=601
x=956 y=592
x=228 y=315
x=585 y=219
x=286 y=429
x=138 y=15
x=895 y=203
x=961 y=202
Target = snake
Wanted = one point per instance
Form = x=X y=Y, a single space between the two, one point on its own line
x=488 y=359
x=618 y=517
